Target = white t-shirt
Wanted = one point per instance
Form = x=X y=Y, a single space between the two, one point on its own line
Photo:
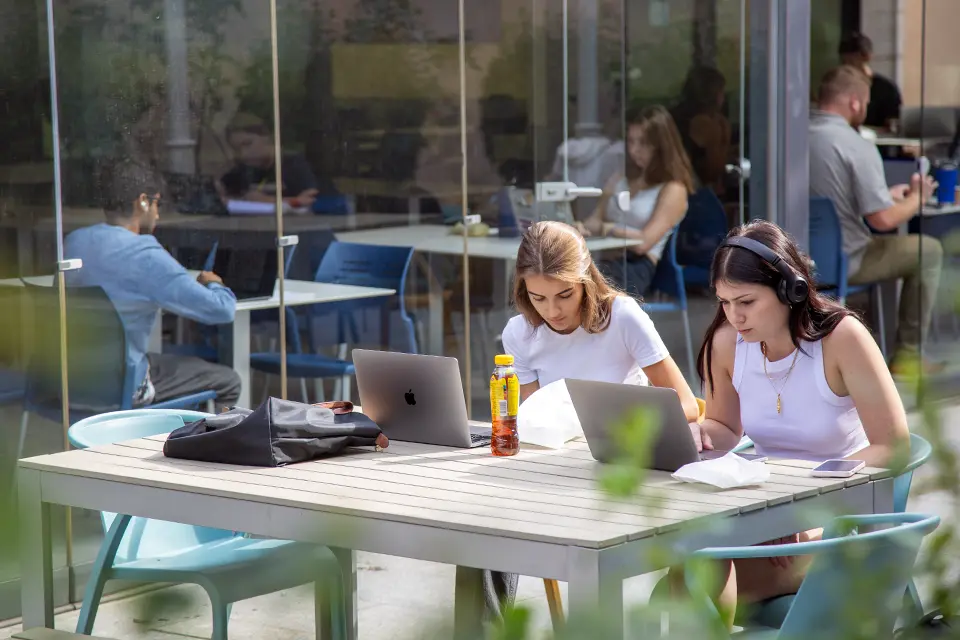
x=618 y=354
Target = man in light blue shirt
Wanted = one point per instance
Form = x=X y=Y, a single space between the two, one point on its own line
x=140 y=277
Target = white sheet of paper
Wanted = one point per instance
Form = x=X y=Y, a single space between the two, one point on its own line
x=547 y=418
x=729 y=472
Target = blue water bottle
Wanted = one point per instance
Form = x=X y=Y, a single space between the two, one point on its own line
x=507 y=221
x=946 y=177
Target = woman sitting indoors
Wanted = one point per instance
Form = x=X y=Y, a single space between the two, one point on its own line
x=659 y=178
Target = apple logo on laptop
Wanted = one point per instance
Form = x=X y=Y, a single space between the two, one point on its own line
x=410 y=398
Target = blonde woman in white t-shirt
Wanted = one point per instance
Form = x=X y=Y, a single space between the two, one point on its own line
x=574 y=324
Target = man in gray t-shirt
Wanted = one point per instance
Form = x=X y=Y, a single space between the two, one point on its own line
x=848 y=169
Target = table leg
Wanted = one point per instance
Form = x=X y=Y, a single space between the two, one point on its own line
x=592 y=595
x=883 y=496
x=468 y=604
x=435 y=328
x=348 y=572
x=235 y=352
x=36 y=560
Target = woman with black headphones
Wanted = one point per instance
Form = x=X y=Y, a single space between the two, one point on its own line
x=796 y=372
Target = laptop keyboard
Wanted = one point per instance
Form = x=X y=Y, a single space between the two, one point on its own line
x=480 y=437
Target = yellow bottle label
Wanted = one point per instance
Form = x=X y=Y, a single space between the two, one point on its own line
x=496 y=396
x=513 y=395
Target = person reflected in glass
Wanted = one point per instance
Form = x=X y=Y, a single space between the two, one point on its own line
x=574 y=324
x=659 y=179
x=883 y=110
x=704 y=128
x=141 y=278
x=253 y=176
x=800 y=375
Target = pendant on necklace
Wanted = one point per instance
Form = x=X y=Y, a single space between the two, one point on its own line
x=778 y=403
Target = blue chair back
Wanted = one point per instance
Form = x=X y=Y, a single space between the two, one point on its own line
x=11 y=386
x=826 y=246
x=211 y=257
x=700 y=232
x=303 y=262
x=144 y=538
x=857 y=578
x=920 y=452
x=98 y=376
x=668 y=278
x=367 y=265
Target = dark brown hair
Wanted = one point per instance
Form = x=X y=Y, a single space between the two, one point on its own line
x=558 y=250
x=811 y=320
x=243 y=122
x=121 y=182
x=843 y=81
x=701 y=88
x=670 y=162
x=855 y=43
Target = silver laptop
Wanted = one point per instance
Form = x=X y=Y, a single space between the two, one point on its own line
x=604 y=406
x=417 y=398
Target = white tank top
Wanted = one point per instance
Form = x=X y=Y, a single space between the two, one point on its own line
x=814 y=424
x=642 y=205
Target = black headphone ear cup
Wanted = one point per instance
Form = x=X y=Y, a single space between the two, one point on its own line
x=801 y=290
x=782 y=294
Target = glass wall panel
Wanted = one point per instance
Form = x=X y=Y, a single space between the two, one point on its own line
x=689 y=59
x=370 y=113
x=167 y=200
x=27 y=249
x=930 y=85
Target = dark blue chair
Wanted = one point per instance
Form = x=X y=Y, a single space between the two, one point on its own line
x=831 y=263
x=700 y=232
x=12 y=385
x=669 y=280
x=350 y=264
x=97 y=373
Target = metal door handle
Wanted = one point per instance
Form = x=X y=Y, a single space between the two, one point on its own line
x=741 y=169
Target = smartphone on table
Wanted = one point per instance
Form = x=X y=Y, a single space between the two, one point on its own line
x=837 y=468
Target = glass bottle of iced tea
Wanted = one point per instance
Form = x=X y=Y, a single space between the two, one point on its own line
x=504 y=402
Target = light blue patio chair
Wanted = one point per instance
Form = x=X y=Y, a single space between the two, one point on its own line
x=228 y=566
x=774 y=610
x=853 y=579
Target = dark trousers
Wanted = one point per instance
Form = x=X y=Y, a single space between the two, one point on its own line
x=174 y=376
x=499 y=590
x=632 y=275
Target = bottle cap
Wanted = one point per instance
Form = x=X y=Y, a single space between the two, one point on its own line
x=503 y=359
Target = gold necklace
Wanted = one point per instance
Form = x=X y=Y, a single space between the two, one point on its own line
x=763 y=350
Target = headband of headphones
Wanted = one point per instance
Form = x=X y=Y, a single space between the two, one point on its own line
x=792 y=289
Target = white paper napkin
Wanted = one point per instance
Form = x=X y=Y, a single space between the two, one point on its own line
x=547 y=418
x=728 y=472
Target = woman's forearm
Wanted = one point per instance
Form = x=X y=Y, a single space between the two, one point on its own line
x=720 y=434
x=875 y=455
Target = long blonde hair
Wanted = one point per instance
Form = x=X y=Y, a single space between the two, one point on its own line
x=558 y=250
